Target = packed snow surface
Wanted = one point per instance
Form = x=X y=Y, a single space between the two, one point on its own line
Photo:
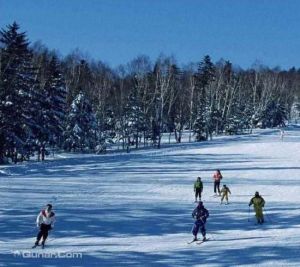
x=135 y=209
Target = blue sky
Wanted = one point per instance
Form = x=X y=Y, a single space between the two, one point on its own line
x=116 y=31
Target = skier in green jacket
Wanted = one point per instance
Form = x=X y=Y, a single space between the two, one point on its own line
x=198 y=188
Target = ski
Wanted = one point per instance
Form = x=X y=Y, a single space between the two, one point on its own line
x=42 y=246
x=194 y=240
x=202 y=241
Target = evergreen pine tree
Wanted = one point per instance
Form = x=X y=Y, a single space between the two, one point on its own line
x=274 y=115
x=106 y=124
x=205 y=75
x=54 y=107
x=18 y=98
x=80 y=132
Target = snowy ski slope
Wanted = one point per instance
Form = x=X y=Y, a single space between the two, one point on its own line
x=135 y=209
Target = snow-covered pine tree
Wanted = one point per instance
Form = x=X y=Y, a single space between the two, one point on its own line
x=274 y=115
x=204 y=76
x=80 y=131
x=106 y=124
x=54 y=104
x=18 y=98
x=199 y=125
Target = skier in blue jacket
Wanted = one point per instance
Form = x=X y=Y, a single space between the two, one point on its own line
x=200 y=214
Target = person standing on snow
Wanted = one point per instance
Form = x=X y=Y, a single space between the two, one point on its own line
x=281 y=134
x=217 y=180
x=200 y=214
x=45 y=221
x=258 y=202
x=198 y=188
x=224 y=192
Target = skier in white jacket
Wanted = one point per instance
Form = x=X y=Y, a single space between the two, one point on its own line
x=45 y=221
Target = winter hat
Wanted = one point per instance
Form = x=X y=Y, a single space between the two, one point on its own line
x=200 y=204
x=256 y=194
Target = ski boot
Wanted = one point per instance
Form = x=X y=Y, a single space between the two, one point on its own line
x=35 y=244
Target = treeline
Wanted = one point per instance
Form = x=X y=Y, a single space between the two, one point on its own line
x=77 y=104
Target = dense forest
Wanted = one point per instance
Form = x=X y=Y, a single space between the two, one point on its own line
x=79 y=104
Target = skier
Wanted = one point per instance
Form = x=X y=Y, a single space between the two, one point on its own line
x=258 y=203
x=225 y=191
x=217 y=179
x=43 y=151
x=198 y=188
x=45 y=221
x=200 y=214
x=39 y=152
x=281 y=134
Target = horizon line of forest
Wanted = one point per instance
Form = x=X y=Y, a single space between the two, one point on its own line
x=79 y=104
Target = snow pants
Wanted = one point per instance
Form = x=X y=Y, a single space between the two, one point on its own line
x=199 y=225
x=217 y=186
x=224 y=196
x=44 y=228
x=259 y=213
x=198 y=193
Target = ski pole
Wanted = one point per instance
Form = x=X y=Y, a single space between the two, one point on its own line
x=267 y=216
x=248 y=213
x=51 y=239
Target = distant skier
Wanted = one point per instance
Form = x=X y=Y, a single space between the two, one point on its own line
x=200 y=214
x=258 y=202
x=43 y=151
x=198 y=188
x=224 y=192
x=217 y=180
x=281 y=134
x=45 y=221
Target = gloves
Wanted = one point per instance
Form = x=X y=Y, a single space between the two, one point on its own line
x=249 y=205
